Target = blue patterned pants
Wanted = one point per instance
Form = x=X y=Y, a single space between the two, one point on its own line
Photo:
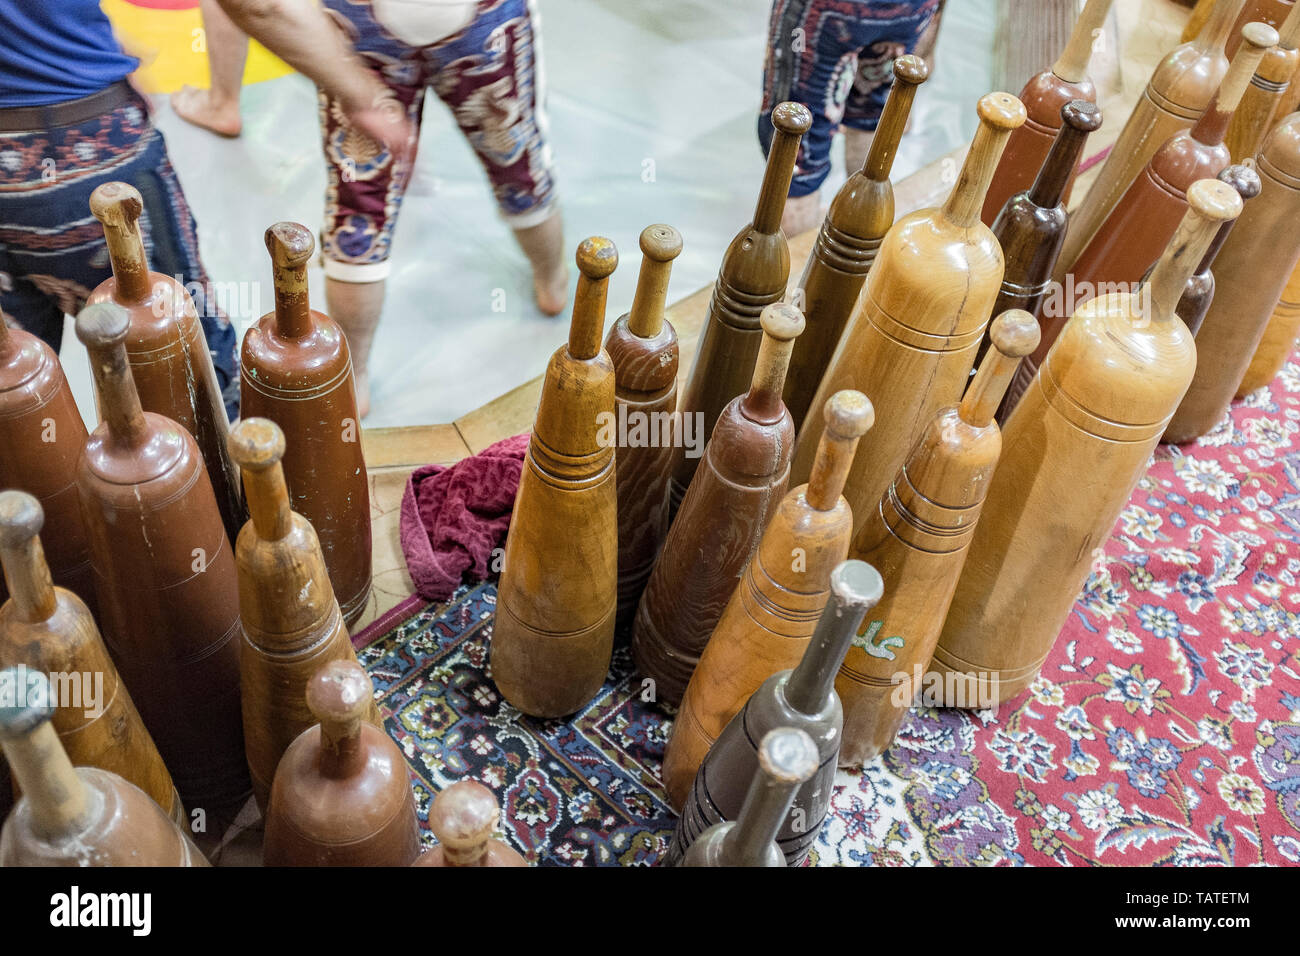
x=52 y=250
x=835 y=57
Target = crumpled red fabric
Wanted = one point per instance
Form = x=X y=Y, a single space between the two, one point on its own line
x=454 y=516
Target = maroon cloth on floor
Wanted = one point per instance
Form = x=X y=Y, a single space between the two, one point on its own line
x=454 y=516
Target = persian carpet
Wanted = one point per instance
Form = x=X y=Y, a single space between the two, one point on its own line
x=1163 y=730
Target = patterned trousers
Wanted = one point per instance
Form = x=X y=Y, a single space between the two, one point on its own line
x=52 y=250
x=835 y=57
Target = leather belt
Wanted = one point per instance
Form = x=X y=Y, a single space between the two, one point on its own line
x=17 y=119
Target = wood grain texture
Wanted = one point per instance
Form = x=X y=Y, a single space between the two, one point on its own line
x=295 y=369
x=168 y=352
x=1031 y=227
x=289 y=619
x=912 y=338
x=165 y=576
x=846 y=245
x=1254 y=116
x=41 y=437
x=642 y=344
x=1179 y=91
x=917 y=538
x=1044 y=95
x=1278 y=340
x=1196 y=22
x=81 y=816
x=342 y=792
x=803 y=698
x=771 y=615
x=1144 y=220
x=753 y=275
x=1072 y=452
x=745 y=472
x=554 y=630
x=1253 y=267
x=49 y=629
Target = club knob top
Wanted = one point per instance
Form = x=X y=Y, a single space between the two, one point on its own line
x=256 y=443
x=788 y=755
x=102 y=325
x=21 y=518
x=911 y=68
x=660 y=242
x=792 y=117
x=116 y=203
x=855 y=583
x=1082 y=115
x=339 y=692
x=1014 y=333
x=597 y=257
x=849 y=414
x=782 y=321
x=1214 y=200
x=290 y=244
x=1002 y=111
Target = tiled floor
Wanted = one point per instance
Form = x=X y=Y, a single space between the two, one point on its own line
x=672 y=81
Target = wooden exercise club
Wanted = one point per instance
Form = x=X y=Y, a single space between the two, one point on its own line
x=859 y=216
x=1031 y=228
x=41 y=437
x=1177 y=94
x=730 y=501
x=773 y=611
x=463 y=818
x=642 y=344
x=1072 y=452
x=342 y=792
x=75 y=816
x=1251 y=272
x=166 y=347
x=553 y=634
x=289 y=619
x=1044 y=96
x=165 y=575
x=787 y=757
x=911 y=341
x=1257 y=113
x=49 y=629
x=804 y=698
x=296 y=370
x=753 y=275
x=1144 y=220
x=918 y=539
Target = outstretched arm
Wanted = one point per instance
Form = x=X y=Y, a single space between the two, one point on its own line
x=301 y=34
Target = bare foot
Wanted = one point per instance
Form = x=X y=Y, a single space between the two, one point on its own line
x=552 y=294
x=196 y=106
x=801 y=214
x=363 y=394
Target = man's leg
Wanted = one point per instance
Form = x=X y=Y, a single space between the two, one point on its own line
x=356 y=307
x=363 y=194
x=908 y=31
x=490 y=76
x=217 y=108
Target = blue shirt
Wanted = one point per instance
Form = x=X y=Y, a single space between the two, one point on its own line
x=56 y=50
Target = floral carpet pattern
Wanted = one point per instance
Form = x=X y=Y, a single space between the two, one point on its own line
x=1163 y=730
